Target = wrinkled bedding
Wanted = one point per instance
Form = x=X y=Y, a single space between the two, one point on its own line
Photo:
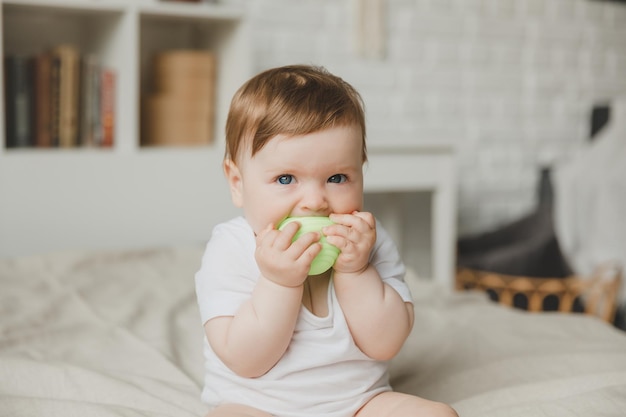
x=118 y=334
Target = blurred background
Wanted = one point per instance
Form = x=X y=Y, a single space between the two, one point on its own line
x=511 y=90
x=511 y=83
x=530 y=93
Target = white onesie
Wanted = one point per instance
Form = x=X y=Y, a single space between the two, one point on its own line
x=322 y=372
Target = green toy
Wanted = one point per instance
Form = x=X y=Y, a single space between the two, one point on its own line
x=329 y=253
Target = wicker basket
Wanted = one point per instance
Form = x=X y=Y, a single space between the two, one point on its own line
x=597 y=294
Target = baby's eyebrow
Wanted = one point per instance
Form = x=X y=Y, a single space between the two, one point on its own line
x=342 y=170
x=278 y=170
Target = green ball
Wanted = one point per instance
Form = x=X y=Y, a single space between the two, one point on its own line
x=329 y=253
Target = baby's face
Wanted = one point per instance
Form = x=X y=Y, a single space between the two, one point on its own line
x=310 y=175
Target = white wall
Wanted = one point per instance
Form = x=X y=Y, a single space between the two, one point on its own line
x=510 y=82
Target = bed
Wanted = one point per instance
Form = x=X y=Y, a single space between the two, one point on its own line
x=117 y=333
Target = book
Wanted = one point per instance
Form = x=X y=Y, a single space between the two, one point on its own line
x=68 y=61
x=107 y=106
x=19 y=126
x=184 y=73
x=89 y=101
x=42 y=76
x=55 y=100
x=177 y=121
x=180 y=108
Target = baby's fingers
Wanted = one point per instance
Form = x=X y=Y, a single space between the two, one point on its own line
x=309 y=254
x=358 y=220
x=285 y=235
x=304 y=249
x=266 y=236
x=304 y=241
x=339 y=242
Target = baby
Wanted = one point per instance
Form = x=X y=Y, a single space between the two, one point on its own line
x=281 y=342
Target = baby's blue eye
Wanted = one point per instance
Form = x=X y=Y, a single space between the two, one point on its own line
x=338 y=178
x=285 y=179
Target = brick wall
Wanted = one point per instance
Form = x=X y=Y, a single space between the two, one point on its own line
x=510 y=82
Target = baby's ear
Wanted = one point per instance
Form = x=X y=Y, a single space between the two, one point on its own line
x=235 y=182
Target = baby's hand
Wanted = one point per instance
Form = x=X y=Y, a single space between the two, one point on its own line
x=281 y=261
x=354 y=234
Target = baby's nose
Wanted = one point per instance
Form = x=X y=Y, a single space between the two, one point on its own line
x=314 y=200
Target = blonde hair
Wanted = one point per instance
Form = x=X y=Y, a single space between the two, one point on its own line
x=290 y=100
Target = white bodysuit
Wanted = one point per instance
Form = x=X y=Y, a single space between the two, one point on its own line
x=323 y=372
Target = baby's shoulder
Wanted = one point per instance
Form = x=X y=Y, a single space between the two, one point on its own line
x=236 y=232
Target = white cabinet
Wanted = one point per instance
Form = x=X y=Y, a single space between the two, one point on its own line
x=127 y=195
x=412 y=190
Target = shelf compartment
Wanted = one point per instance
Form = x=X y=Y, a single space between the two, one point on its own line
x=195 y=11
x=86 y=26
x=64 y=5
x=210 y=28
x=91 y=28
x=124 y=36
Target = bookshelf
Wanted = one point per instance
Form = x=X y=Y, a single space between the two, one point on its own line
x=150 y=194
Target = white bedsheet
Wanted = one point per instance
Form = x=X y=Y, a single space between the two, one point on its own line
x=118 y=334
x=103 y=335
x=488 y=360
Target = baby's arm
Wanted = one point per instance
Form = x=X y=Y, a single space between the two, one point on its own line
x=378 y=318
x=255 y=338
x=251 y=342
